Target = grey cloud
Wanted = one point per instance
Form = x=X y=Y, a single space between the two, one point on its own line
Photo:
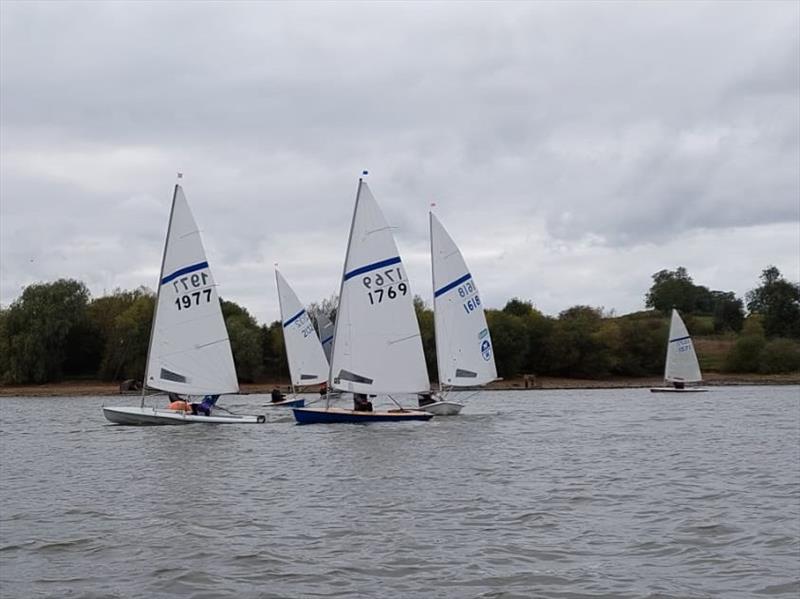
x=617 y=125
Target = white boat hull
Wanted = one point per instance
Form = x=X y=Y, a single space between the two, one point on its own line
x=442 y=408
x=676 y=390
x=150 y=416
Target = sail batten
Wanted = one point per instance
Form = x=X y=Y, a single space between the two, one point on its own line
x=464 y=351
x=190 y=352
x=377 y=347
x=303 y=349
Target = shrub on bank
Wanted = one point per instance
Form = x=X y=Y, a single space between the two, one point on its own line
x=780 y=356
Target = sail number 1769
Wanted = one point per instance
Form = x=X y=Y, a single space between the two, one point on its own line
x=382 y=285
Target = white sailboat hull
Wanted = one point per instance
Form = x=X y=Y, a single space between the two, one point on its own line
x=442 y=408
x=151 y=416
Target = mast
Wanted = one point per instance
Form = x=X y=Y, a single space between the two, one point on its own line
x=433 y=290
x=158 y=293
x=341 y=288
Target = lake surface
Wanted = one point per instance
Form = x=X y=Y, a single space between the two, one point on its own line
x=556 y=494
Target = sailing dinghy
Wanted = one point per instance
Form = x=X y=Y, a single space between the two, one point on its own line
x=189 y=351
x=682 y=366
x=307 y=362
x=377 y=348
x=325 y=334
x=463 y=344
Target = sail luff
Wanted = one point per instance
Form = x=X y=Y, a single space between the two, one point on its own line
x=158 y=291
x=341 y=284
x=440 y=364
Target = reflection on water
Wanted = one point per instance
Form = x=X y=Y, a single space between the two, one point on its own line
x=602 y=493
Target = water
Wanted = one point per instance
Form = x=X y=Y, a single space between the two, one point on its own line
x=557 y=494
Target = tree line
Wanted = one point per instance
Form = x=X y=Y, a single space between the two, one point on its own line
x=57 y=330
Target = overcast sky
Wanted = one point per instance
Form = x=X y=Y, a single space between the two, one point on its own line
x=572 y=149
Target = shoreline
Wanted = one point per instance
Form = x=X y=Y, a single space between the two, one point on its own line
x=103 y=389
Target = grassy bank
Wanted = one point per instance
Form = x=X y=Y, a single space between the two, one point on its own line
x=99 y=388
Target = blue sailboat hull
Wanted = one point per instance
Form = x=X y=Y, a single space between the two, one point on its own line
x=339 y=415
x=286 y=403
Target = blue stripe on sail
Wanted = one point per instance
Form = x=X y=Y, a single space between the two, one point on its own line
x=680 y=339
x=293 y=318
x=184 y=271
x=371 y=267
x=327 y=339
x=455 y=283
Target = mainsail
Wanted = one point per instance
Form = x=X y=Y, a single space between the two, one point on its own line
x=682 y=363
x=377 y=346
x=325 y=334
x=307 y=362
x=189 y=348
x=464 y=350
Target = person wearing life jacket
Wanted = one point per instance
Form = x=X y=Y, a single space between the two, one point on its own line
x=361 y=403
x=205 y=406
x=277 y=395
x=178 y=404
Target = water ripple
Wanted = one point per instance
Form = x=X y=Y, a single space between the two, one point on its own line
x=543 y=494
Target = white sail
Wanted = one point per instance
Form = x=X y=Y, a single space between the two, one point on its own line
x=464 y=350
x=307 y=362
x=189 y=348
x=325 y=334
x=682 y=363
x=377 y=346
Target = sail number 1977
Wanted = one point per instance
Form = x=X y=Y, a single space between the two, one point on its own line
x=189 y=292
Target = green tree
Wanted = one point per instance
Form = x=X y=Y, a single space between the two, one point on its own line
x=428 y=333
x=518 y=307
x=103 y=314
x=780 y=356
x=538 y=328
x=38 y=326
x=672 y=289
x=745 y=355
x=273 y=349
x=642 y=339
x=128 y=338
x=5 y=350
x=578 y=345
x=509 y=342
x=728 y=312
x=246 y=345
x=778 y=302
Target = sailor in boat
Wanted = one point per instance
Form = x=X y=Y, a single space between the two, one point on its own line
x=277 y=396
x=425 y=399
x=361 y=403
x=205 y=406
x=177 y=403
x=679 y=384
x=323 y=389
